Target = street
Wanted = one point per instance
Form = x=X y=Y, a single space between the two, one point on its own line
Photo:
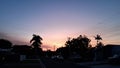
x=62 y=64
x=42 y=63
x=99 y=64
x=49 y=63
x=106 y=66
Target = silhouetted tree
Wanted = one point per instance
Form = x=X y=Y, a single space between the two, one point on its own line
x=68 y=45
x=98 y=37
x=49 y=53
x=68 y=42
x=99 y=51
x=5 y=43
x=79 y=45
x=36 y=43
x=99 y=45
x=64 y=51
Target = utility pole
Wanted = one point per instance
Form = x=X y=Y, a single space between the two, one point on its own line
x=54 y=47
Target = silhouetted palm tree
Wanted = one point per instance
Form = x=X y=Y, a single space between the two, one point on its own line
x=98 y=37
x=36 y=41
x=98 y=48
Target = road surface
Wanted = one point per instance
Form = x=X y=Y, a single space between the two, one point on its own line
x=49 y=63
x=43 y=63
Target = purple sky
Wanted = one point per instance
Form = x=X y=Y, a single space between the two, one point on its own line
x=56 y=20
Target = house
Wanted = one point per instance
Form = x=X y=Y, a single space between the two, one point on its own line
x=106 y=51
x=22 y=50
x=111 y=50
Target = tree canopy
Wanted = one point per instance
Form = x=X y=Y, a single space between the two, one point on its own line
x=36 y=40
x=79 y=45
x=5 y=43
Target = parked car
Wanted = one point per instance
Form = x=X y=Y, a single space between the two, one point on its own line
x=57 y=57
x=115 y=59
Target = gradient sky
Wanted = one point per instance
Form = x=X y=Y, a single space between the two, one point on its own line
x=56 y=20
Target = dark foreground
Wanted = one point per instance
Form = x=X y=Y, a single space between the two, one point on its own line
x=62 y=64
x=42 y=63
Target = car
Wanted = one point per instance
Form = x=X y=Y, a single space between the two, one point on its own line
x=115 y=59
x=57 y=57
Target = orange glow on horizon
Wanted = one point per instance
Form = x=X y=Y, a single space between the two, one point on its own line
x=55 y=40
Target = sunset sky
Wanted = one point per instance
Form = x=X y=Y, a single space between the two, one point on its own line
x=56 y=20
